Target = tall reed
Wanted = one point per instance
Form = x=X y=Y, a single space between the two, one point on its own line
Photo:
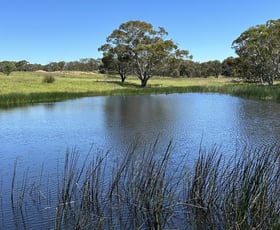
x=143 y=189
x=241 y=193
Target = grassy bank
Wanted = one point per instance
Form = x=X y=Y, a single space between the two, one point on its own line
x=28 y=87
x=144 y=190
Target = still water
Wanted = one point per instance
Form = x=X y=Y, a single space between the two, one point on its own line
x=38 y=136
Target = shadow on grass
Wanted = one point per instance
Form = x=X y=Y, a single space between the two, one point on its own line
x=125 y=84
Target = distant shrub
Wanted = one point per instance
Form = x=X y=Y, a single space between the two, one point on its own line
x=7 y=67
x=48 y=79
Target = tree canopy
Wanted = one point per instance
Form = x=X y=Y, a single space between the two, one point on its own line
x=7 y=67
x=259 y=51
x=136 y=46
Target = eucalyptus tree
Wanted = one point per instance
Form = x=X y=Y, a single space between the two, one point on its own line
x=116 y=59
x=7 y=67
x=88 y=64
x=231 y=67
x=211 y=68
x=214 y=68
x=55 y=66
x=22 y=65
x=259 y=51
x=273 y=28
x=137 y=46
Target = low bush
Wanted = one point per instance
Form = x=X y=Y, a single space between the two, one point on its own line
x=48 y=79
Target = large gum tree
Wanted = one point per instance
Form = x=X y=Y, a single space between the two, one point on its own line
x=138 y=45
x=259 y=51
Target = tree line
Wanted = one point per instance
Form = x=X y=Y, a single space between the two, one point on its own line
x=85 y=64
x=137 y=48
x=186 y=68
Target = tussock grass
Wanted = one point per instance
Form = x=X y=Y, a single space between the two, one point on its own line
x=143 y=190
x=27 y=87
x=48 y=79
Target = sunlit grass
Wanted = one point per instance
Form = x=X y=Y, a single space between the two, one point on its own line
x=30 y=82
x=29 y=87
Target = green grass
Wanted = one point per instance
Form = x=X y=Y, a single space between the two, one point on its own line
x=28 y=87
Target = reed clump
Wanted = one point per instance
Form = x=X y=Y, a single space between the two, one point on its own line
x=143 y=189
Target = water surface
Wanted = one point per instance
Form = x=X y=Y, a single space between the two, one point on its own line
x=40 y=134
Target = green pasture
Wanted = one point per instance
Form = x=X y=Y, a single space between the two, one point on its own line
x=28 y=87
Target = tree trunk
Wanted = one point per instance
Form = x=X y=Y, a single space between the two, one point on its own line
x=270 y=81
x=144 y=82
x=123 y=77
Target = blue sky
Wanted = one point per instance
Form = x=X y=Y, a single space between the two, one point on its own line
x=42 y=31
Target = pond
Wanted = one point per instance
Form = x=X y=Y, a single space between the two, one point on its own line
x=38 y=136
